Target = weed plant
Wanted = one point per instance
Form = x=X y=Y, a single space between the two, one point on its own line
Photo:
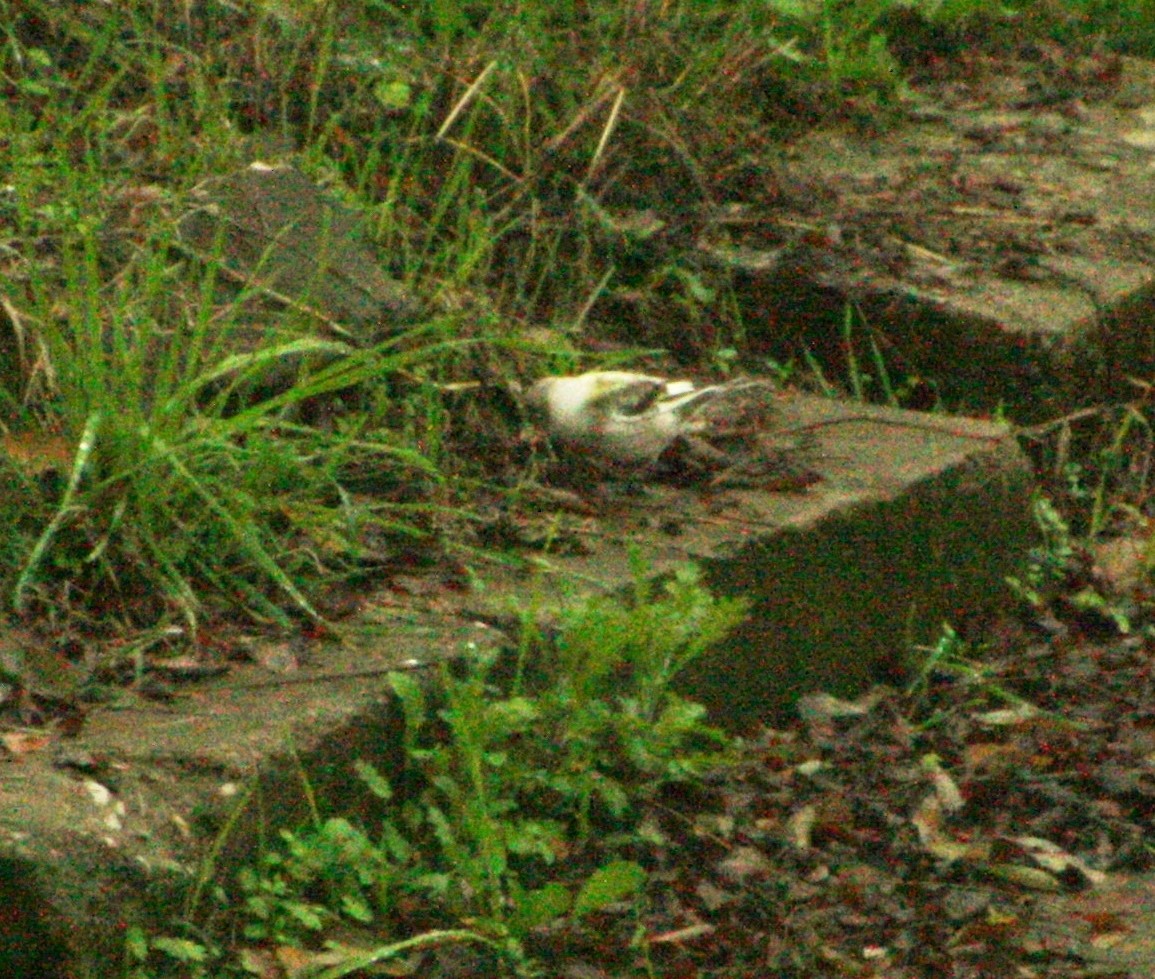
x=522 y=803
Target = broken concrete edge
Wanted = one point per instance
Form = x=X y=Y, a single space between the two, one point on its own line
x=967 y=357
x=69 y=899
x=198 y=790
x=275 y=229
x=1019 y=247
x=1033 y=375
x=935 y=556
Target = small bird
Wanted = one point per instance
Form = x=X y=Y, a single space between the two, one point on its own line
x=638 y=420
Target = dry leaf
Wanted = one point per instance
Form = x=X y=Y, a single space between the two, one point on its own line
x=21 y=743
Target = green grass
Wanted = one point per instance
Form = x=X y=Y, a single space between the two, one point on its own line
x=162 y=492
x=505 y=159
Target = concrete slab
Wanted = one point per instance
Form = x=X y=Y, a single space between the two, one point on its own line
x=115 y=827
x=1003 y=247
x=916 y=520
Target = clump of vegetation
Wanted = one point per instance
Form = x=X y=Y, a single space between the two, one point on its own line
x=504 y=161
x=521 y=807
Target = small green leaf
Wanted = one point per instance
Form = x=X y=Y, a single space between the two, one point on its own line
x=377 y=783
x=393 y=94
x=136 y=943
x=357 y=908
x=613 y=882
x=412 y=698
x=535 y=908
x=312 y=916
x=180 y=949
x=797 y=9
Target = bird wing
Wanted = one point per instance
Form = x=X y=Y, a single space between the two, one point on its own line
x=740 y=407
x=629 y=398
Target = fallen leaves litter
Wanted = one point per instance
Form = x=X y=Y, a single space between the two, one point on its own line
x=896 y=836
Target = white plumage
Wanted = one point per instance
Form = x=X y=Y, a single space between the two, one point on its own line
x=632 y=419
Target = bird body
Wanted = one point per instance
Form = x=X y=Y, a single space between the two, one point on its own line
x=633 y=419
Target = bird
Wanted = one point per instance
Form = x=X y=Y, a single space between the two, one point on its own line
x=643 y=423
